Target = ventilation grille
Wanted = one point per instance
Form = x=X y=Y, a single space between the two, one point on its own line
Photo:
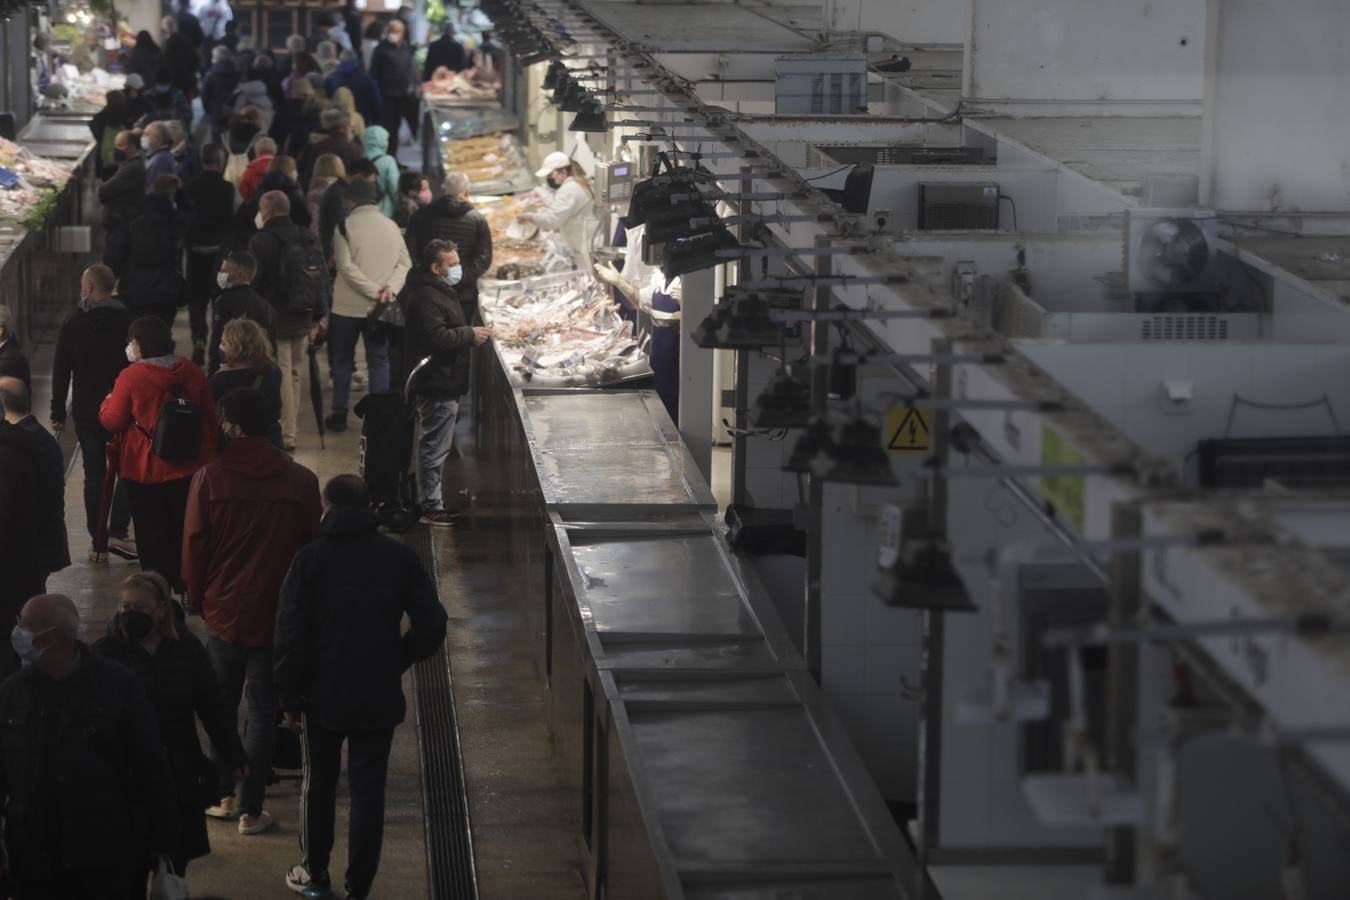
x=1183 y=328
x=836 y=93
x=959 y=216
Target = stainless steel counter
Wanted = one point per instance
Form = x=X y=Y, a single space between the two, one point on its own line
x=704 y=761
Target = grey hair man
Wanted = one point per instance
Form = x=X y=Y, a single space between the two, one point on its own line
x=157 y=142
x=452 y=217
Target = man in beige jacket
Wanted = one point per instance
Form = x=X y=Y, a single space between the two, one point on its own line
x=372 y=262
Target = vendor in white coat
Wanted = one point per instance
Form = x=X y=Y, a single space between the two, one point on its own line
x=568 y=212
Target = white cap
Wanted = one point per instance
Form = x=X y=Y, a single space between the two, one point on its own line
x=555 y=160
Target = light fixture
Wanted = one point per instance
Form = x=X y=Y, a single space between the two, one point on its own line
x=859 y=457
x=535 y=54
x=698 y=251
x=562 y=84
x=810 y=454
x=785 y=403
x=740 y=322
x=915 y=564
x=574 y=97
x=590 y=118
x=556 y=69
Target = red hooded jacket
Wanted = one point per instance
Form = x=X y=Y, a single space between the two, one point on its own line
x=248 y=513
x=139 y=392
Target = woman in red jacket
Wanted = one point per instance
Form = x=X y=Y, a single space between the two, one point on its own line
x=157 y=487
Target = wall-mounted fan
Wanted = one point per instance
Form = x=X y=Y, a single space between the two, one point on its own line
x=1171 y=258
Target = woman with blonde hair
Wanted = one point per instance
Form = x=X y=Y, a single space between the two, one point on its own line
x=149 y=635
x=247 y=361
x=346 y=101
x=328 y=170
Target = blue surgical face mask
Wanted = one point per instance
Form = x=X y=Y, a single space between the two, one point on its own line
x=21 y=639
x=145 y=143
x=454 y=275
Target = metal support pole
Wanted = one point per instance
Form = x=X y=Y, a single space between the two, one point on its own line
x=1122 y=686
x=815 y=562
x=741 y=412
x=932 y=637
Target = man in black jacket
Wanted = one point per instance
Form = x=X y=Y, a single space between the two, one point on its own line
x=12 y=360
x=218 y=87
x=147 y=254
x=238 y=300
x=85 y=783
x=91 y=351
x=123 y=195
x=212 y=200
x=340 y=659
x=445 y=52
x=23 y=577
x=294 y=327
x=391 y=65
x=436 y=328
x=49 y=517
x=334 y=204
x=452 y=218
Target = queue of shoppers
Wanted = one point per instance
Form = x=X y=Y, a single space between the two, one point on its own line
x=279 y=215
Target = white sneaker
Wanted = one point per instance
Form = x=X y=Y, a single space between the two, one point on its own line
x=263 y=821
x=227 y=808
x=299 y=880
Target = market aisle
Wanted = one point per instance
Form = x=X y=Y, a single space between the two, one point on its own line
x=242 y=868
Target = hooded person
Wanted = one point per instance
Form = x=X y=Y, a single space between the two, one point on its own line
x=376 y=145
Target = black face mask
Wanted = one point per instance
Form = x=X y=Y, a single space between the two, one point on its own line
x=120 y=155
x=135 y=625
x=553 y=185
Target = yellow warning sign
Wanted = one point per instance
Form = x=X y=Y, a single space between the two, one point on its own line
x=906 y=430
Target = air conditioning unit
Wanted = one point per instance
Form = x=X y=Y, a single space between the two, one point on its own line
x=1171 y=259
x=1017 y=315
x=955 y=206
x=820 y=85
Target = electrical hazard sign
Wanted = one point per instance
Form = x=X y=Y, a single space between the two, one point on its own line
x=906 y=430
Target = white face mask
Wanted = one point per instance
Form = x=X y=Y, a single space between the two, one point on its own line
x=131 y=352
x=21 y=639
x=223 y=280
x=259 y=221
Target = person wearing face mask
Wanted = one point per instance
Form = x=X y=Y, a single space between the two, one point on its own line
x=147 y=254
x=49 y=516
x=211 y=201
x=157 y=144
x=123 y=195
x=84 y=780
x=341 y=652
x=452 y=217
x=392 y=67
x=149 y=636
x=436 y=329
x=568 y=212
x=248 y=513
x=20 y=494
x=248 y=361
x=158 y=487
x=89 y=357
x=238 y=300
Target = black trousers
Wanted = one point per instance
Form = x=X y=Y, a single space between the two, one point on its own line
x=396 y=110
x=367 y=771
x=158 y=511
x=93 y=454
x=201 y=283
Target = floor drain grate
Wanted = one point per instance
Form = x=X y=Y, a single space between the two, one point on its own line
x=450 y=862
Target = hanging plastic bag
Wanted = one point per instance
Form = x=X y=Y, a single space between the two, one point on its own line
x=167 y=885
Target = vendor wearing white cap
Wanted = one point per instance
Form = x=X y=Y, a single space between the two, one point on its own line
x=568 y=211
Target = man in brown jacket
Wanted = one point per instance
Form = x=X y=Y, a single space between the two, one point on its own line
x=249 y=511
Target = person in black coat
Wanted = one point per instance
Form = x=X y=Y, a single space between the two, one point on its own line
x=276 y=179
x=218 y=86
x=149 y=252
x=211 y=202
x=122 y=197
x=116 y=116
x=436 y=328
x=238 y=300
x=149 y=636
x=190 y=27
x=180 y=57
x=248 y=358
x=391 y=65
x=452 y=218
x=20 y=463
x=91 y=353
x=49 y=518
x=340 y=658
x=146 y=58
x=445 y=52
x=88 y=798
x=12 y=361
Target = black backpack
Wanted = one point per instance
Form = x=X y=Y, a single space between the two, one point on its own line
x=303 y=282
x=178 y=430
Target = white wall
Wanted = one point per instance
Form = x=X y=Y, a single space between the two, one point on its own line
x=1086 y=49
x=1123 y=383
x=1278 y=135
x=910 y=21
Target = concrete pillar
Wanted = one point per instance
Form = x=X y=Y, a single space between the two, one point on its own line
x=696 y=369
x=1276 y=133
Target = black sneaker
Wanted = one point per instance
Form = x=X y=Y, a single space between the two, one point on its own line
x=441 y=518
x=123 y=548
x=336 y=422
x=199 y=353
x=299 y=880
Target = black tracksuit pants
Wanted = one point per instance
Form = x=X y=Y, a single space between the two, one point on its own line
x=158 y=510
x=367 y=772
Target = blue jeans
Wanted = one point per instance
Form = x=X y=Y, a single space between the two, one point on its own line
x=342 y=334
x=252 y=666
x=436 y=434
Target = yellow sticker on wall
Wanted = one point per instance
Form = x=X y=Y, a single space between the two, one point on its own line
x=1068 y=493
x=906 y=430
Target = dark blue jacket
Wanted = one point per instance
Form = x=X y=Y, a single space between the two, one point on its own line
x=350 y=75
